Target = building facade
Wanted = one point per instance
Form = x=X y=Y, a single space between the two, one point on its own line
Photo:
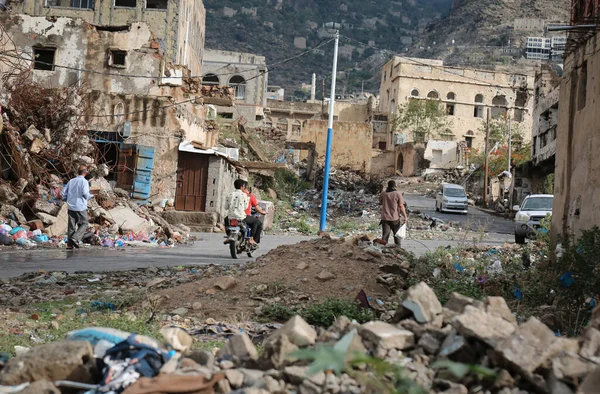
x=577 y=177
x=247 y=74
x=178 y=25
x=466 y=95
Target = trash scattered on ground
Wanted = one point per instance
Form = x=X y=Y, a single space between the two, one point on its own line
x=465 y=346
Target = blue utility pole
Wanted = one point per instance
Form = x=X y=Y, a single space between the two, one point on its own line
x=323 y=224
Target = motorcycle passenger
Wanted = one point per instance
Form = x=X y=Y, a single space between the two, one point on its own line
x=253 y=221
x=236 y=203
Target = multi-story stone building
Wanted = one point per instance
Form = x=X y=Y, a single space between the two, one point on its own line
x=466 y=95
x=178 y=25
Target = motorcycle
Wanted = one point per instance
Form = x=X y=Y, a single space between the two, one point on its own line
x=238 y=238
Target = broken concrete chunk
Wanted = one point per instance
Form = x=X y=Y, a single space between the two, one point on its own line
x=590 y=349
x=65 y=360
x=497 y=306
x=458 y=302
x=7 y=195
x=225 y=283
x=474 y=323
x=239 y=346
x=45 y=207
x=235 y=378
x=531 y=345
x=387 y=336
x=48 y=220
x=570 y=367
x=128 y=220
x=62 y=223
x=298 y=333
x=12 y=213
x=453 y=343
x=32 y=133
x=429 y=343
x=421 y=300
x=277 y=352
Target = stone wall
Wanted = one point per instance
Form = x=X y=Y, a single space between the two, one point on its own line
x=351 y=146
x=221 y=176
x=577 y=182
x=409 y=158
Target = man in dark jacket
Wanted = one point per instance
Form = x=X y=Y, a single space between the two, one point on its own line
x=392 y=205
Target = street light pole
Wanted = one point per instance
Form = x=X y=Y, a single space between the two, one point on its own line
x=323 y=223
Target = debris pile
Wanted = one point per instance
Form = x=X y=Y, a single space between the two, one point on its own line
x=348 y=180
x=465 y=346
x=35 y=164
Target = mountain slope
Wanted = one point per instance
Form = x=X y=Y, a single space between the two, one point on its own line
x=390 y=25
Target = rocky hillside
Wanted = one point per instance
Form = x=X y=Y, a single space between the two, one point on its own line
x=269 y=28
x=479 y=26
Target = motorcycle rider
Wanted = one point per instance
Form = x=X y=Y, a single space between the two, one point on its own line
x=253 y=221
x=236 y=203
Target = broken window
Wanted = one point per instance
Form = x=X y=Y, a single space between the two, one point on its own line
x=226 y=115
x=157 y=4
x=450 y=109
x=211 y=80
x=117 y=59
x=499 y=105
x=478 y=112
x=125 y=3
x=282 y=124
x=44 y=58
x=238 y=83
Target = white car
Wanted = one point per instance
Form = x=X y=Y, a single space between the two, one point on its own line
x=452 y=198
x=530 y=214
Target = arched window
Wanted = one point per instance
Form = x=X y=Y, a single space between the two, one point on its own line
x=451 y=96
x=282 y=124
x=118 y=113
x=469 y=138
x=414 y=93
x=296 y=128
x=211 y=80
x=479 y=98
x=238 y=83
x=499 y=105
x=433 y=95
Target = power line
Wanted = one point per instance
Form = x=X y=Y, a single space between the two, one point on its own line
x=114 y=74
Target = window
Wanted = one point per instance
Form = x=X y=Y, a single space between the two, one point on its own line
x=44 y=58
x=126 y=3
x=226 y=115
x=85 y=4
x=433 y=95
x=478 y=112
x=211 y=80
x=238 y=83
x=582 y=87
x=157 y=4
x=437 y=155
x=450 y=109
x=117 y=59
x=282 y=124
x=499 y=105
x=479 y=98
x=414 y=93
x=296 y=128
x=384 y=76
x=469 y=139
x=451 y=96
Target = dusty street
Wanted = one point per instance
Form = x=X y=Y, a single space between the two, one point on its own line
x=476 y=220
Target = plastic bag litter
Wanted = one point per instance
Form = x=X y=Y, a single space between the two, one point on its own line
x=6 y=240
x=24 y=242
x=16 y=230
x=495 y=268
x=402 y=232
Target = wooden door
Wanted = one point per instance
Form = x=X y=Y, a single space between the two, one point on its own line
x=192 y=176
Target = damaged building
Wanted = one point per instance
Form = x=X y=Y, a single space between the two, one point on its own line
x=141 y=104
x=465 y=94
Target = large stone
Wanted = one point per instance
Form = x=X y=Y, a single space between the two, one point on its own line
x=62 y=223
x=497 y=306
x=6 y=194
x=65 y=360
x=325 y=276
x=277 y=352
x=474 y=323
x=45 y=207
x=453 y=343
x=127 y=220
x=421 y=300
x=40 y=387
x=590 y=349
x=297 y=331
x=296 y=375
x=386 y=336
x=570 y=367
x=12 y=213
x=531 y=345
x=429 y=343
x=458 y=302
x=225 y=283
x=241 y=347
x=251 y=376
x=48 y=220
x=235 y=377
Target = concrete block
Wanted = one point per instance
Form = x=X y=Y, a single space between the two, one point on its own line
x=387 y=336
x=128 y=220
x=61 y=223
x=269 y=218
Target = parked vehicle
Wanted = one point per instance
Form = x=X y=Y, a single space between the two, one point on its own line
x=238 y=238
x=452 y=198
x=530 y=214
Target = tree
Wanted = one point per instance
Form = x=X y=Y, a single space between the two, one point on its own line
x=499 y=131
x=421 y=117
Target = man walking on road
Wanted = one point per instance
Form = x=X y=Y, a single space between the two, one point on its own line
x=77 y=194
x=392 y=204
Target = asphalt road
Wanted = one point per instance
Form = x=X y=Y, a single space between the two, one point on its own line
x=476 y=219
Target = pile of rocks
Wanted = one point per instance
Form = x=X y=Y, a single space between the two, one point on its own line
x=466 y=346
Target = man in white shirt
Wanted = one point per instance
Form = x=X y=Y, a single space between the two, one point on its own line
x=237 y=202
x=77 y=194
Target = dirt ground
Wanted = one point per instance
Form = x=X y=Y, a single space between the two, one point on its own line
x=290 y=275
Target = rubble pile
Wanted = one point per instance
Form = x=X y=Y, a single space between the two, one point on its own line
x=348 y=180
x=464 y=346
